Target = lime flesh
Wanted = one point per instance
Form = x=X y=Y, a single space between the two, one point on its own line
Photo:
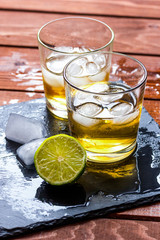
x=60 y=159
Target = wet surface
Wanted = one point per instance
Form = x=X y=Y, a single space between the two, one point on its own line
x=27 y=203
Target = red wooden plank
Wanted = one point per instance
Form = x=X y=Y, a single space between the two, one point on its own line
x=144 y=8
x=150 y=212
x=11 y=97
x=23 y=73
x=20 y=70
x=131 y=35
x=153 y=107
x=104 y=229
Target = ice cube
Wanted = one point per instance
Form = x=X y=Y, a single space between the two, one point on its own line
x=82 y=61
x=52 y=79
x=98 y=87
x=79 y=81
x=57 y=63
x=89 y=109
x=27 y=151
x=80 y=98
x=100 y=60
x=21 y=129
x=75 y=69
x=105 y=114
x=121 y=109
x=98 y=77
x=84 y=97
x=84 y=121
x=126 y=118
x=108 y=98
x=84 y=114
x=92 y=68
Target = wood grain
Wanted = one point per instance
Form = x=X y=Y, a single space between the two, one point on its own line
x=20 y=80
x=20 y=70
x=148 y=212
x=153 y=107
x=11 y=97
x=131 y=35
x=144 y=8
x=102 y=229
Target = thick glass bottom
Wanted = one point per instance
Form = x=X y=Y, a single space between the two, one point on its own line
x=57 y=112
x=111 y=157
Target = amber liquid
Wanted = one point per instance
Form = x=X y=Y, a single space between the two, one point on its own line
x=52 y=74
x=55 y=95
x=54 y=92
x=107 y=136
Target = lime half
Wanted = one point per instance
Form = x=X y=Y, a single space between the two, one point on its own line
x=60 y=159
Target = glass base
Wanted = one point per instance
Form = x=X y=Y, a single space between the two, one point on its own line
x=111 y=157
x=58 y=113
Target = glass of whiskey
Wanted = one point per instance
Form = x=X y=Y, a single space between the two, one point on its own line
x=104 y=93
x=59 y=42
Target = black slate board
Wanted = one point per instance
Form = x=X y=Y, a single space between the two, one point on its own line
x=28 y=204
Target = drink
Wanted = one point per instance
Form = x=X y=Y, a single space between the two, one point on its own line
x=108 y=124
x=59 y=42
x=104 y=113
x=53 y=81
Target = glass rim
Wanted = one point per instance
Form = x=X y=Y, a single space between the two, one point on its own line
x=144 y=78
x=65 y=18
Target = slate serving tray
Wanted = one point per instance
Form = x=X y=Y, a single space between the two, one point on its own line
x=28 y=204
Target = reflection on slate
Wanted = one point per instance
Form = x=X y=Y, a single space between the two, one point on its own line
x=28 y=204
x=54 y=126
x=147 y=174
x=29 y=172
x=114 y=180
x=71 y=195
x=11 y=146
x=118 y=179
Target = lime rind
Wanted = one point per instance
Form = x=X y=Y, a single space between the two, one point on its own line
x=60 y=159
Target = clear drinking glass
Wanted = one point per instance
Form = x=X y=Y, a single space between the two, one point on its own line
x=59 y=42
x=104 y=93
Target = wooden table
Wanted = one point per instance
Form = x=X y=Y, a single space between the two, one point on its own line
x=137 y=32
